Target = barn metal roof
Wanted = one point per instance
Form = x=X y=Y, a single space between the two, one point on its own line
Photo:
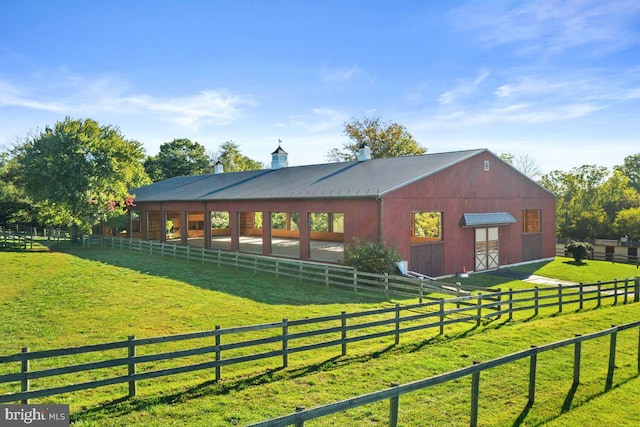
x=367 y=178
x=486 y=219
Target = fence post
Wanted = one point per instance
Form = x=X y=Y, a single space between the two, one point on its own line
x=532 y=377
x=612 y=359
x=344 y=333
x=510 y=303
x=203 y=255
x=615 y=291
x=581 y=298
x=479 y=314
x=475 y=392
x=626 y=290
x=394 y=402
x=636 y=290
x=599 y=293
x=577 y=350
x=386 y=285
x=499 y=303
x=397 y=341
x=326 y=276
x=285 y=343
x=559 y=298
x=218 y=352
x=536 y=300
x=299 y=423
x=458 y=294
x=421 y=292
x=131 y=368
x=24 y=368
x=355 y=280
x=441 y=316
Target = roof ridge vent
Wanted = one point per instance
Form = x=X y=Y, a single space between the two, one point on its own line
x=364 y=152
x=219 y=167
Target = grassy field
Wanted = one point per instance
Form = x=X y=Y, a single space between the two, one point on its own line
x=73 y=296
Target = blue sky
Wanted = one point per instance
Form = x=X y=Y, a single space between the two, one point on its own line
x=556 y=80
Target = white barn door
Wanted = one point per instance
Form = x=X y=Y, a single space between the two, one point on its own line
x=487 y=249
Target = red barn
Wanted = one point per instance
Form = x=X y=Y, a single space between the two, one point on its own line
x=443 y=212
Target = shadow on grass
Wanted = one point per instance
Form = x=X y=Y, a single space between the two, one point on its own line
x=576 y=263
x=260 y=287
x=567 y=405
x=123 y=406
x=523 y=415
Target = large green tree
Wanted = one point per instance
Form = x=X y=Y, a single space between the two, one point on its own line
x=588 y=199
x=179 y=157
x=383 y=138
x=15 y=206
x=631 y=168
x=80 y=172
x=233 y=160
x=627 y=223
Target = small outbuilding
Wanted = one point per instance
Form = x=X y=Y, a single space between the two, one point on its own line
x=444 y=212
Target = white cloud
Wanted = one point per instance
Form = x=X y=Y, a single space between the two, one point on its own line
x=340 y=74
x=69 y=94
x=464 y=88
x=217 y=107
x=321 y=119
x=552 y=27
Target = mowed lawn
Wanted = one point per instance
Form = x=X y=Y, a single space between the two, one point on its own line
x=78 y=296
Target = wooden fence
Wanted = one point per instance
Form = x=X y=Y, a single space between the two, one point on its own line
x=604 y=256
x=393 y=393
x=321 y=273
x=9 y=239
x=280 y=340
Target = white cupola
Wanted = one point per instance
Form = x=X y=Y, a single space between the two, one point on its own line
x=279 y=158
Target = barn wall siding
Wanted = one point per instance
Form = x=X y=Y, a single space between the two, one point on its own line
x=465 y=187
x=468 y=188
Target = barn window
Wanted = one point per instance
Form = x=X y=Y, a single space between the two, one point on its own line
x=531 y=221
x=195 y=221
x=426 y=226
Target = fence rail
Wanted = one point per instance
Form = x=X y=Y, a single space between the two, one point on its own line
x=393 y=393
x=10 y=239
x=325 y=274
x=605 y=256
x=280 y=340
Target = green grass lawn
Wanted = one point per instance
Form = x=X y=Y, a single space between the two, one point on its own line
x=73 y=296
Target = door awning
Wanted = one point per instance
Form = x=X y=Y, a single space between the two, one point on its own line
x=486 y=219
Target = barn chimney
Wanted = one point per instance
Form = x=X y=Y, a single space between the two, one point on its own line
x=218 y=168
x=279 y=158
x=364 y=153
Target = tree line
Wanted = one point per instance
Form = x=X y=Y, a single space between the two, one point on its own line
x=79 y=173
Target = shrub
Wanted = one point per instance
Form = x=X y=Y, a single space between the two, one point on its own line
x=371 y=257
x=579 y=250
